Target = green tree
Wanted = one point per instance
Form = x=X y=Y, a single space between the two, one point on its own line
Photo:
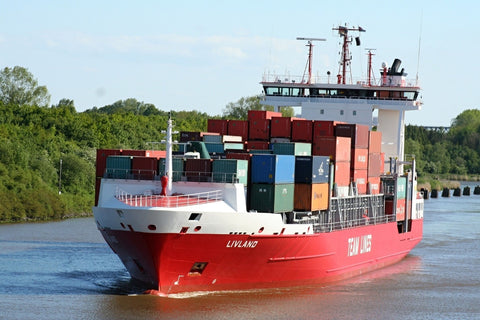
x=239 y=110
x=19 y=87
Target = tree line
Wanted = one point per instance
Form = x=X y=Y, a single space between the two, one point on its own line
x=36 y=139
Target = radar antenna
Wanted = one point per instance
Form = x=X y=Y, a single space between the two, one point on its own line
x=309 y=60
x=345 y=56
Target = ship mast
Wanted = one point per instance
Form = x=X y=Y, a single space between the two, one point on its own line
x=310 y=56
x=345 y=55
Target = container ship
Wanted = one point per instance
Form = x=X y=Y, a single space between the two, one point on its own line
x=271 y=201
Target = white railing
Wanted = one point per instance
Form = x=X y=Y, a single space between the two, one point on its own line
x=156 y=200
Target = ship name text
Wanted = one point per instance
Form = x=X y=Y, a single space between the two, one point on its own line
x=359 y=245
x=241 y=244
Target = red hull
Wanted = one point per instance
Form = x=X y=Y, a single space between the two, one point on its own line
x=237 y=262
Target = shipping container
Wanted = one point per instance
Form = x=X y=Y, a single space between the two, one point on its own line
x=102 y=155
x=400 y=211
x=375 y=142
x=292 y=148
x=219 y=126
x=177 y=168
x=342 y=173
x=359 y=158
x=357 y=132
x=373 y=186
x=144 y=168
x=259 y=130
x=374 y=164
x=273 y=168
x=233 y=146
x=279 y=140
x=302 y=130
x=258 y=145
x=238 y=128
x=311 y=197
x=230 y=171
x=229 y=138
x=391 y=191
x=312 y=169
x=119 y=167
x=281 y=127
x=359 y=176
x=186 y=136
x=198 y=169
x=262 y=115
x=337 y=148
x=272 y=197
x=323 y=128
x=214 y=147
x=156 y=153
x=212 y=139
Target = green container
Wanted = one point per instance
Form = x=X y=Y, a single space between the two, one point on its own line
x=233 y=146
x=212 y=138
x=401 y=187
x=214 y=147
x=230 y=171
x=293 y=148
x=177 y=168
x=272 y=197
x=119 y=167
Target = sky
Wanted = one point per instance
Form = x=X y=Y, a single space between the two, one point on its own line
x=203 y=55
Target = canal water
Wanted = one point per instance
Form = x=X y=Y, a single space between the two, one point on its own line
x=64 y=270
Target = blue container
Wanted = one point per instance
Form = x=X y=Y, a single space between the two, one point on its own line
x=273 y=168
x=312 y=169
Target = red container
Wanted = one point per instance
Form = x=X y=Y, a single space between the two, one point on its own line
x=375 y=142
x=302 y=130
x=102 y=155
x=262 y=115
x=342 y=173
x=257 y=145
x=281 y=127
x=374 y=164
x=359 y=158
x=311 y=197
x=337 y=148
x=156 y=153
x=357 y=132
x=144 y=168
x=238 y=128
x=359 y=176
x=373 y=185
x=259 y=130
x=198 y=169
x=322 y=128
x=217 y=125
x=239 y=156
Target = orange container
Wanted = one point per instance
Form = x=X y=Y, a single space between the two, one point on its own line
x=373 y=185
x=359 y=176
x=374 y=142
x=311 y=197
x=342 y=173
x=359 y=158
x=374 y=164
x=337 y=148
x=357 y=132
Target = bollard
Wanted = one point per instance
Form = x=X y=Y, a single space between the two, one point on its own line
x=446 y=193
x=466 y=191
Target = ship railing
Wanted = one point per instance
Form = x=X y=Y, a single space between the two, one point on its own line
x=349 y=224
x=135 y=174
x=317 y=79
x=198 y=176
x=149 y=199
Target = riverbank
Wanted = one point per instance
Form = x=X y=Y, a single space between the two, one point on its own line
x=451 y=181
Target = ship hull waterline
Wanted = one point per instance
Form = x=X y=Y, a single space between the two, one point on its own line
x=164 y=261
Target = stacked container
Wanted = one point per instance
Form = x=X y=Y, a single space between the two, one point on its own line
x=259 y=122
x=217 y=125
x=230 y=171
x=177 y=168
x=272 y=179
x=359 y=135
x=302 y=130
x=311 y=183
x=375 y=161
x=198 y=169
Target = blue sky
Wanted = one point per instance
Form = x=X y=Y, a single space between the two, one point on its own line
x=201 y=55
